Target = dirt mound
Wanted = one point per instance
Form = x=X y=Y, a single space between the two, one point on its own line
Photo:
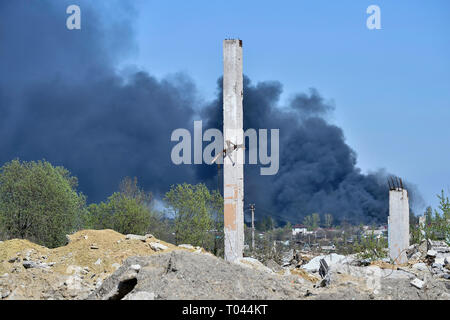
x=30 y=271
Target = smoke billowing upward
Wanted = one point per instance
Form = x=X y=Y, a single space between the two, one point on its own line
x=62 y=99
x=318 y=170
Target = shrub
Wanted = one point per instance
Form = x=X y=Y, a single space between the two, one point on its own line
x=39 y=202
x=198 y=216
x=120 y=213
x=370 y=247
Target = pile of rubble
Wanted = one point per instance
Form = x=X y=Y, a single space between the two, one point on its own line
x=426 y=275
x=30 y=271
x=107 y=265
x=189 y=275
x=431 y=255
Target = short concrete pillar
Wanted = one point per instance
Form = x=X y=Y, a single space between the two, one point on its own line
x=398 y=225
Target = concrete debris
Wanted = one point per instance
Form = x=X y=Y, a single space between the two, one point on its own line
x=323 y=269
x=68 y=272
x=135 y=237
x=420 y=266
x=147 y=270
x=186 y=246
x=417 y=283
x=438 y=246
x=157 y=246
x=115 y=266
x=365 y=262
x=180 y=275
x=32 y=264
x=432 y=253
x=314 y=264
x=324 y=273
x=253 y=264
x=416 y=256
x=140 y=295
x=14 y=259
x=135 y=267
x=272 y=265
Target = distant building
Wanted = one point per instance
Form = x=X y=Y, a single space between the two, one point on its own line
x=328 y=248
x=299 y=229
x=377 y=233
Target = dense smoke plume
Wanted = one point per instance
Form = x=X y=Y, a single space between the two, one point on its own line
x=318 y=170
x=62 y=99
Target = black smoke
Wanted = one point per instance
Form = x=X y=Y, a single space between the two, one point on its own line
x=62 y=99
x=318 y=170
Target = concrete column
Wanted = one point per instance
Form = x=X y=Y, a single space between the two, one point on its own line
x=233 y=169
x=398 y=225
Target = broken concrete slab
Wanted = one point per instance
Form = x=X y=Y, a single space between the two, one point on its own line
x=431 y=253
x=416 y=256
x=417 y=283
x=314 y=264
x=253 y=263
x=140 y=295
x=135 y=237
x=271 y=264
x=186 y=246
x=420 y=266
x=158 y=246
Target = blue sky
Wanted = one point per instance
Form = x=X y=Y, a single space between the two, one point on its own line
x=391 y=87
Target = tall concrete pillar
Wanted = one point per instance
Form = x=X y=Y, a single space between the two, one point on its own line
x=398 y=225
x=233 y=165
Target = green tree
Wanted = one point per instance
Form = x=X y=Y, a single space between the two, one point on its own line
x=316 y=220
x=437 y=225
x=265 y=224
x=308 y=222
x=130 y=189
x=328 y=220
x=428 y=216
x=126 y=211
x=312 y=221
x=370 y=247
x=287 y=229
x=39 y=202
x=120 y=213
x=198 y=215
